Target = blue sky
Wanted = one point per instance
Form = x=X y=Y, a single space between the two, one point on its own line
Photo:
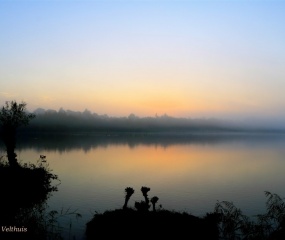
x=184 y=58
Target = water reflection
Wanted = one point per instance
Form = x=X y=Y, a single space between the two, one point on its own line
x=188 y=172
x=86 y=142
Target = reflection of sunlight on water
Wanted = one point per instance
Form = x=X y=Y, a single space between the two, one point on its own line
x=184 y=177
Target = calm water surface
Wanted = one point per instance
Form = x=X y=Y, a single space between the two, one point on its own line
x=188 y=172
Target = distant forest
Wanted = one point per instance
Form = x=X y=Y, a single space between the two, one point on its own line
x=86 y=121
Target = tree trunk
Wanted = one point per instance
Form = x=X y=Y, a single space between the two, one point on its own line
x=9 y=138
x=126 y=202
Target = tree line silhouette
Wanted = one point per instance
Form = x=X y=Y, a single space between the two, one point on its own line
x=62 y=120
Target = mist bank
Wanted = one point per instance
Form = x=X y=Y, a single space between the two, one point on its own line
x=86 y=121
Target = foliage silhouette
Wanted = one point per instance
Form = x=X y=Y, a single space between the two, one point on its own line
x=143 y=205
x=128 y=223
x=234 y=225
x=24 y=192
x=13 y=116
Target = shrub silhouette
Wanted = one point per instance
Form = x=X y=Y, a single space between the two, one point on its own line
x=143 y=205
x=131 y=223
x=226 y=222
x=23 y=199
x=154 y=201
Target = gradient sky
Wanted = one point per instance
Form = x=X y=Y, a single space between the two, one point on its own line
x=183 y=58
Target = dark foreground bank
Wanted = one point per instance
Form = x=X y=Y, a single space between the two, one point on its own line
x=162 y=224
x=225 y=222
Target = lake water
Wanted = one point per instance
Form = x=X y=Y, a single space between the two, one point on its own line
x=188 y=172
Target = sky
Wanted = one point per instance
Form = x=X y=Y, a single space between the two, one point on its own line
x=215 y=58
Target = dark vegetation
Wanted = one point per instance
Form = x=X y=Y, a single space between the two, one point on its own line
x=226 y=222
x=23 y=203
x=24 y=187
x=66 y=121
x=268 y=226
x=142 y=223
x=13 y=116
x=86 y=121
x=24 y=192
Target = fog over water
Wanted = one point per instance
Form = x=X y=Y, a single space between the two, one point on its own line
x=187 y=171
x=188 y=163
x=67 y=121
